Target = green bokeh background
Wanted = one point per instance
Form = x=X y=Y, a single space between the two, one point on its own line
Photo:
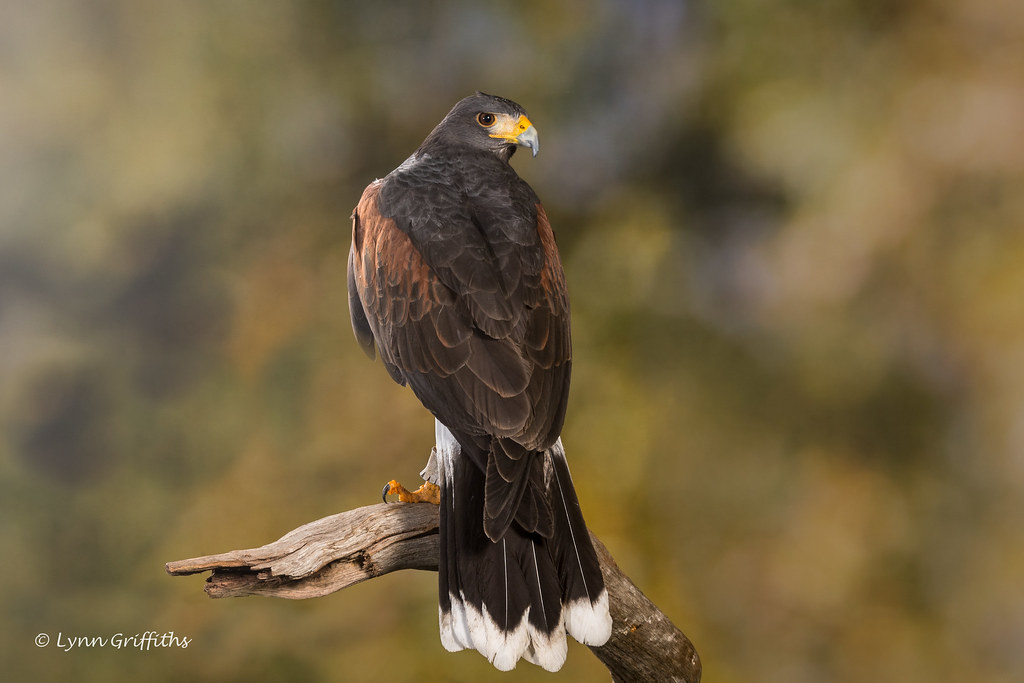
x=793 y=238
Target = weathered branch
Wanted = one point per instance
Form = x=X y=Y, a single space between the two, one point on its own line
x=341 y=550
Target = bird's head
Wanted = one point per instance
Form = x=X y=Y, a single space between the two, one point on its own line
x=485 y=122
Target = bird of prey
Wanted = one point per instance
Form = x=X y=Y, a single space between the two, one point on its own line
x=455 y=278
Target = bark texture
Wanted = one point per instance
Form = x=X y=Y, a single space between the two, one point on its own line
x=343 y=549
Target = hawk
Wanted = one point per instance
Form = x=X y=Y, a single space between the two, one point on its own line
x=455 y=279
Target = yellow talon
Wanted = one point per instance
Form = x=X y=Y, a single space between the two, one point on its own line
x=427 y=493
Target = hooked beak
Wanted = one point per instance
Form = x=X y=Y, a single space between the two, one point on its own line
x=528 y=138
x=519 y=131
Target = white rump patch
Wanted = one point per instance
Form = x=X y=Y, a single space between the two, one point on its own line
x=441 y=463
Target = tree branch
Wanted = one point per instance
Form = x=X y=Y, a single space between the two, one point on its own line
x=344 y=549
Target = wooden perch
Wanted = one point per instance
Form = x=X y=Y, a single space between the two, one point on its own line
x=343 y=549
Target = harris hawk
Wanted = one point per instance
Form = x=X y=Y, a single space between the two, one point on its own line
x=454 y=277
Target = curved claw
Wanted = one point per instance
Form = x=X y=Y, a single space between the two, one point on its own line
x=427 y=493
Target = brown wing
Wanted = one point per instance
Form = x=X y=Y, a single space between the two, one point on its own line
x=511 y=384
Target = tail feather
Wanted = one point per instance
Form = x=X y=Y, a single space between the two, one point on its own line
x=586 y=608
x=518 y=596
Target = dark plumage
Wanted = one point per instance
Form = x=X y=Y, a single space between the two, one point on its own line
x=455 y=278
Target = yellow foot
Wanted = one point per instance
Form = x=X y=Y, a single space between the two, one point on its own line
x=427 y=493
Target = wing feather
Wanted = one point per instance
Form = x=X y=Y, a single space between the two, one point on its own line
x=466 y=303
x=480 y=331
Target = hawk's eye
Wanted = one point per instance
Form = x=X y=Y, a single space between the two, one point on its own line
x=484 y=119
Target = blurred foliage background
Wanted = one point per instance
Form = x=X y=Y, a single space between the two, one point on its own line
x=793 y=238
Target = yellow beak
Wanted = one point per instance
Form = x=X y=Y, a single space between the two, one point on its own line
x=517 y=130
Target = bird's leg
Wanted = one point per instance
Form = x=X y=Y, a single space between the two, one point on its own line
x=427 y=493
x=446 y=446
